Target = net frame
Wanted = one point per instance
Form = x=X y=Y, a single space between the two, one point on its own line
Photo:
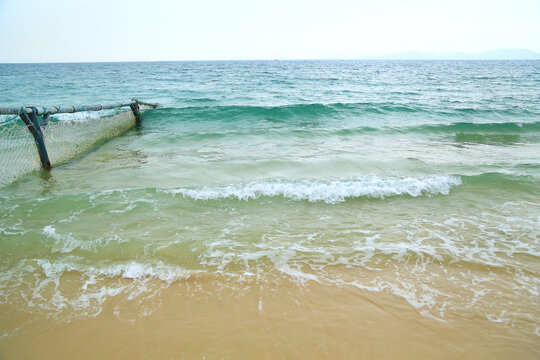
x=67 y=134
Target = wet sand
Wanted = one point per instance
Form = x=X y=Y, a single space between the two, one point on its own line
x=205 y=318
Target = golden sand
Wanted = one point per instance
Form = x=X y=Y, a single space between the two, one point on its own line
x=209 y=318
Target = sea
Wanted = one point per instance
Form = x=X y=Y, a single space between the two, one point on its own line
x=280 y=210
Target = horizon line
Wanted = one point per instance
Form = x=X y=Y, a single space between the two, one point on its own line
x=274 y=60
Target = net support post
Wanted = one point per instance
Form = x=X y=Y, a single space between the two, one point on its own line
x=136 y=111
x=32 y=123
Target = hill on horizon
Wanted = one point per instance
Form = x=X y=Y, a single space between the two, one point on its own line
x=498 y=54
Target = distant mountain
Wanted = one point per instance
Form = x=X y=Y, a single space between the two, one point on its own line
x=499 y=54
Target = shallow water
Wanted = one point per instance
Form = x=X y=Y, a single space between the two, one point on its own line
x=328 y=209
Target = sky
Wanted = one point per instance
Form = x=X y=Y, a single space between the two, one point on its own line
x=152 y=30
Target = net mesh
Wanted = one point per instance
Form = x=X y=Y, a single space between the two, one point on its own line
x=70 y=135
x=66 y=137
x=18 y=154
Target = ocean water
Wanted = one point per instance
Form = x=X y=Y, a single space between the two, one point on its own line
x=329 y=187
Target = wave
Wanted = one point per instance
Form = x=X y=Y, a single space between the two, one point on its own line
x=328 y=191
x=485 y=132
x=525 y=183
x=488 y=127
x=200 y=100
x=93 y=286
x=334 y=110
x=505 y=133
x=488 y=138
x=126 y=270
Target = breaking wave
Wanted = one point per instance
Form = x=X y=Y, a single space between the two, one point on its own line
x=329 y=191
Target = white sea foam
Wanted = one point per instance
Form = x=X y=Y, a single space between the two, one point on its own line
x=406 y=259
x=323 y=190
x=127 y=270
x=85 y=115
x=66 y=243
x=94 y=285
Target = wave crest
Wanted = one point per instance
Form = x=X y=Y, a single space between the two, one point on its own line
x=323 y=190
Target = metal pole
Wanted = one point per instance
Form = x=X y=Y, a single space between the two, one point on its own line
x=32 y=124
x=40 y=110
x=135 y=108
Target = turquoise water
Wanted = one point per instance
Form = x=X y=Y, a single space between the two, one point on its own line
x=418 y=179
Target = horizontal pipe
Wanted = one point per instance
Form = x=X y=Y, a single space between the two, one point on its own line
x=40 y=110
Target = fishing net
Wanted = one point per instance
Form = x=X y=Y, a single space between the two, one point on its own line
x=66 y=137
x=18 y=154
x=73 y=134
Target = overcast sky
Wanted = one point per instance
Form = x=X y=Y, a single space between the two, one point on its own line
x=133 y=30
